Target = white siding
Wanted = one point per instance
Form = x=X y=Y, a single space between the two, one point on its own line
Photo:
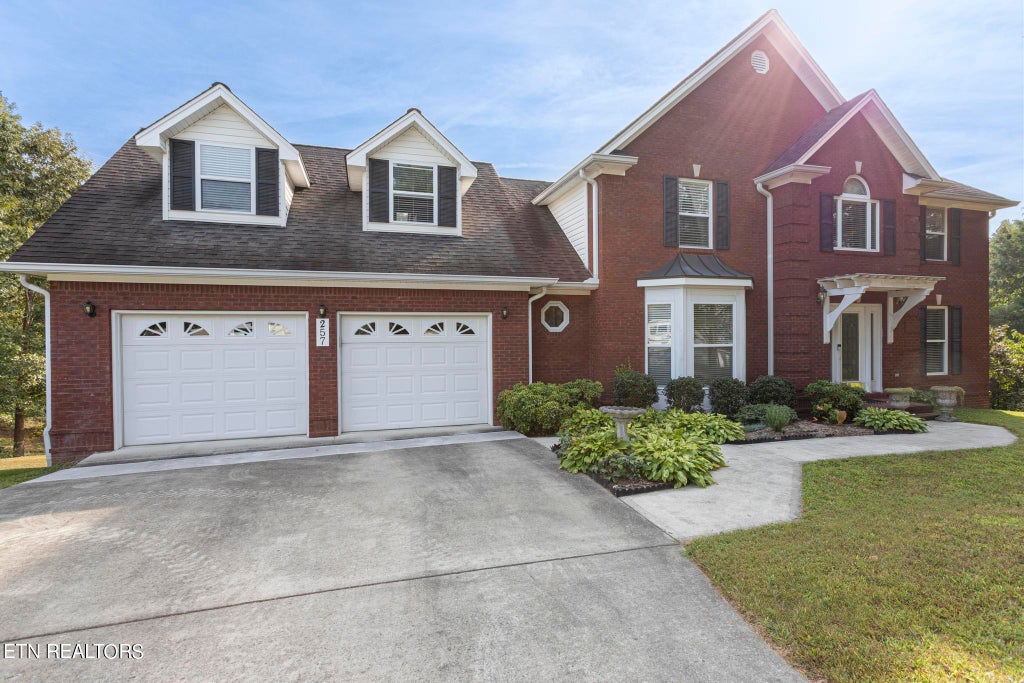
x=413 y=147
x=224 y=125
x=570 y=210
x=289 y=190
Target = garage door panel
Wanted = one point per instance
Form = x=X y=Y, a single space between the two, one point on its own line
x=194 y=378
x=435 y=373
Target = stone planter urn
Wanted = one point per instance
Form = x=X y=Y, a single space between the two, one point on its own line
x=899 y=399
x=947 y=399
x=622 y=415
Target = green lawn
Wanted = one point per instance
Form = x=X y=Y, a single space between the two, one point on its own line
x=902 y=567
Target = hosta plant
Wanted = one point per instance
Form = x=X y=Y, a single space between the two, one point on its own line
x=675 y=458
x=583 y=453
x=885 y=420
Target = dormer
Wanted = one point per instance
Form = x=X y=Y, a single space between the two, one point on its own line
x=222 y=162
x=412 y=178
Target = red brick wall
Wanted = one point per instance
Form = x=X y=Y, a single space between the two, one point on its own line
x=733 y=125
x=562 y=356
x=82 y=349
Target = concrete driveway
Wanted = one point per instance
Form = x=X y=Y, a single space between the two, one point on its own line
x=457 y=562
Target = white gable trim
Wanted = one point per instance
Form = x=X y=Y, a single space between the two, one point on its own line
x=591 y=167
x=780 y=35
x=153 y=139
x=357 y=159
x=888 y=130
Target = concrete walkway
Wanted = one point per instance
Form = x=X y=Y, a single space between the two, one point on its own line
x=762 y=483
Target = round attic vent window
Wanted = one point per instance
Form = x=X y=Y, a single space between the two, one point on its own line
x=759 y=60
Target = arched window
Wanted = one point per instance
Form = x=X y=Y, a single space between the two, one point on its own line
x=856 y=217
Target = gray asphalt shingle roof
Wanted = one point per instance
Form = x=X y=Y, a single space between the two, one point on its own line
x=116 y=219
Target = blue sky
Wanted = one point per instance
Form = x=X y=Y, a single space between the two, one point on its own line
x=530 y=86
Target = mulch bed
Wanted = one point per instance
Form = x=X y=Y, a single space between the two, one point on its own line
x=629 y=487
x=804 y=429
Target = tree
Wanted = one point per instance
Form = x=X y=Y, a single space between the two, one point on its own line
x=1006 y=275
x=1006 y=373
x=39 y=169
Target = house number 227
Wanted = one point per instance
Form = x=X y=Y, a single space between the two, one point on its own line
x=323 y=332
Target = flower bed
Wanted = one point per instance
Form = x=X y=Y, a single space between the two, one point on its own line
x=803 y=429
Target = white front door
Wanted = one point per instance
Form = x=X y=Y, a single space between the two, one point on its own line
x=423 y=370
x=209 y=376
x=857 y=347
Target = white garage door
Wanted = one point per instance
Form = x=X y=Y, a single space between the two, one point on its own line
x=414 y=371
x=202 y=377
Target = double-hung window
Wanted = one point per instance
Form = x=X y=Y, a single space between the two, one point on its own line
x=694 y=213
x=937 y=348
x=413 y=190
x=713 y=341
x=934 y=233
x=226 y=178
x=856 y=217
x=659 y=342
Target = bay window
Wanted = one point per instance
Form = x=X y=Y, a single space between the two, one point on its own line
x=713 y=341
x=659 y=343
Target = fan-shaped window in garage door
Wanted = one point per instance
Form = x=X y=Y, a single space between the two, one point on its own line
x=397 y=329
x=367 y=329
x=435 y=330
x=242 y=330
x=464 y=329
x=155 y=330
x=277 y=329
x=194 y=329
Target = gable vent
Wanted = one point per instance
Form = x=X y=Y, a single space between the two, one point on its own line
x=759 y=60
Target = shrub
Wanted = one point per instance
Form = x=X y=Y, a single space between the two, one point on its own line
x=712 y=427
x=632 y=388
x=777 y=417
x=583 y=453
x=686 y=393
x=839 y=396
x=771 y=389
x=1006 y=369
x=727 y=395
x=884 y=420
x=540 y=408
x=585 y=421
x=754 y=413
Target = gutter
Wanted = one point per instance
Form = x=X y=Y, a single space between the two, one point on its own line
x=593 y=193
x=529 y=329
x=49 y=394
x=769 y=222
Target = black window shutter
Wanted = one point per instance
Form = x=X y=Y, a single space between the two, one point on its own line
x=924 y=236
x=956 y=355
x=924 y=341
x=183 y=175
x=722 y=227
x=447 y=196
x=267 y=190
x=889 y=226
x=671 y=235
x=827 y=229
x=955 y=218
x=379 y=170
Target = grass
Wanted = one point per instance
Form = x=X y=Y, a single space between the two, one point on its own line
x=10 y=476
x=903 y=567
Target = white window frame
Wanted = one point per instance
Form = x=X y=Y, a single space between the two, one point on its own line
x=873 y=209
x=670 y=344
x=200 y=177
x=403 y=193
x=565 y=316
x=944 y=233
x=697 y=301
x=944 y=341
x=710 y=215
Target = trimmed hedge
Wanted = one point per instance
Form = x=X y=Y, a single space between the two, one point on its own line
x=727 y=395
x=538 y=409
x=633 y=388
x=685 y=393
x=772 y=389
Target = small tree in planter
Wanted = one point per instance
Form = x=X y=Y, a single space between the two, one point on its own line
x=947 y=398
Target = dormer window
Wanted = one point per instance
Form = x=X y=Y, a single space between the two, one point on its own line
x=413 y=193
x=226 y=178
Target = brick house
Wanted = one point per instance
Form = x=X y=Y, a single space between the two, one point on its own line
x=212 y=281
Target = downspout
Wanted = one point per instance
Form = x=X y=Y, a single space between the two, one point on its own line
x=769 y=222
x=49 y=413
x=529 y=327
x=593 y=193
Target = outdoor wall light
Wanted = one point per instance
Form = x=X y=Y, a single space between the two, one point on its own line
x=822 y=294
x=504 y=312
x=89 y=308
x=322 y=311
